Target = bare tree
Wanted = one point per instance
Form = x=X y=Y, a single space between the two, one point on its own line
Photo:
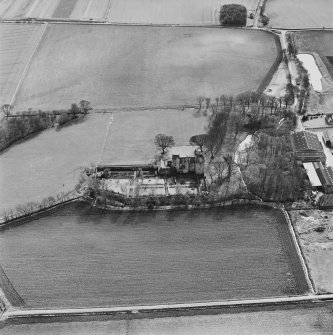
x=207 y=102
x=200 y=100
x=163 y=142
x=85 y=106
x=75 y=109
x=229 y=160
x=199 y=140
x=6 y=109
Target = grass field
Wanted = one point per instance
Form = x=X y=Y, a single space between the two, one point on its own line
x=17 y=45
x=300 y=13
x=143 y=66
x=81 y=256
x=51 y=162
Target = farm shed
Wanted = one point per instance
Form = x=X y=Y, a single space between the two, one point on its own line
x=307 y=147
x=326 y=201
x=324 y=177
x=312 y=174
x=328 y=138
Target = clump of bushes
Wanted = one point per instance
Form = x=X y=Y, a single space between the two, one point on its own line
x=63 y=118
x=319 y=229
x=233 y=15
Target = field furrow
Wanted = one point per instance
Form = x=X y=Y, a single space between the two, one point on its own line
x=78 y=256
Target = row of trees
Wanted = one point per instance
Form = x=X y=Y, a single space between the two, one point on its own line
x=248 y=111
x=14 y=127
x=82 y=108
x=34 y=206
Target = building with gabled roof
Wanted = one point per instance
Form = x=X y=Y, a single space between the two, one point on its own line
x=307 y=147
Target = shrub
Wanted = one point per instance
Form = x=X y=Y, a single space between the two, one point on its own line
x=63 y=118
x=265 y=20
x=233 y=15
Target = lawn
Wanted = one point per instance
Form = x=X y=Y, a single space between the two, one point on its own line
x=126 y=66
x=51 y=162
x=300 y=13
x=80 y=256
x=17 y=44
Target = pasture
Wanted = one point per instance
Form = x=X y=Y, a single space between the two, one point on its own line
x=78 y=256
x=51 y=162
x=18 y=42
x=299 y=14
x=126 y=66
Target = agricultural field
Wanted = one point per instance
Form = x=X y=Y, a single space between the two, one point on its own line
x=18 y=42
x=143 y=66
x=300 y=14
x=53 y=160
x=172 y=11
x=11 y=9
x=191 y=12
x=80 y=256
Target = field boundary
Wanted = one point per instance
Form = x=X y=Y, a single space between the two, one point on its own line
x=4 y=224
x=268 y=77
x=299 y=252
x=142 y=311
x=9 y=297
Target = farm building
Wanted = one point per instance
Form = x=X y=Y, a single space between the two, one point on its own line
x=320 y=177
x=312 y=174
x=326 y=201
x=307 y=147
x=329 y=119
x=328 y=138
x=183 y=160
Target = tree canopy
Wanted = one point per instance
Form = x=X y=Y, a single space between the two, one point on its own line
x=233 y=15
x=164 y=141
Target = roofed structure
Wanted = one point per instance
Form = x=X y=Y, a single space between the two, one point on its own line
x=307 y=147
x=182 y=159
x=312 y=174
x=326 y=201
x=328 y=137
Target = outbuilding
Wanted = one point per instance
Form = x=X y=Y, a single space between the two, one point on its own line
x=328 y=138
